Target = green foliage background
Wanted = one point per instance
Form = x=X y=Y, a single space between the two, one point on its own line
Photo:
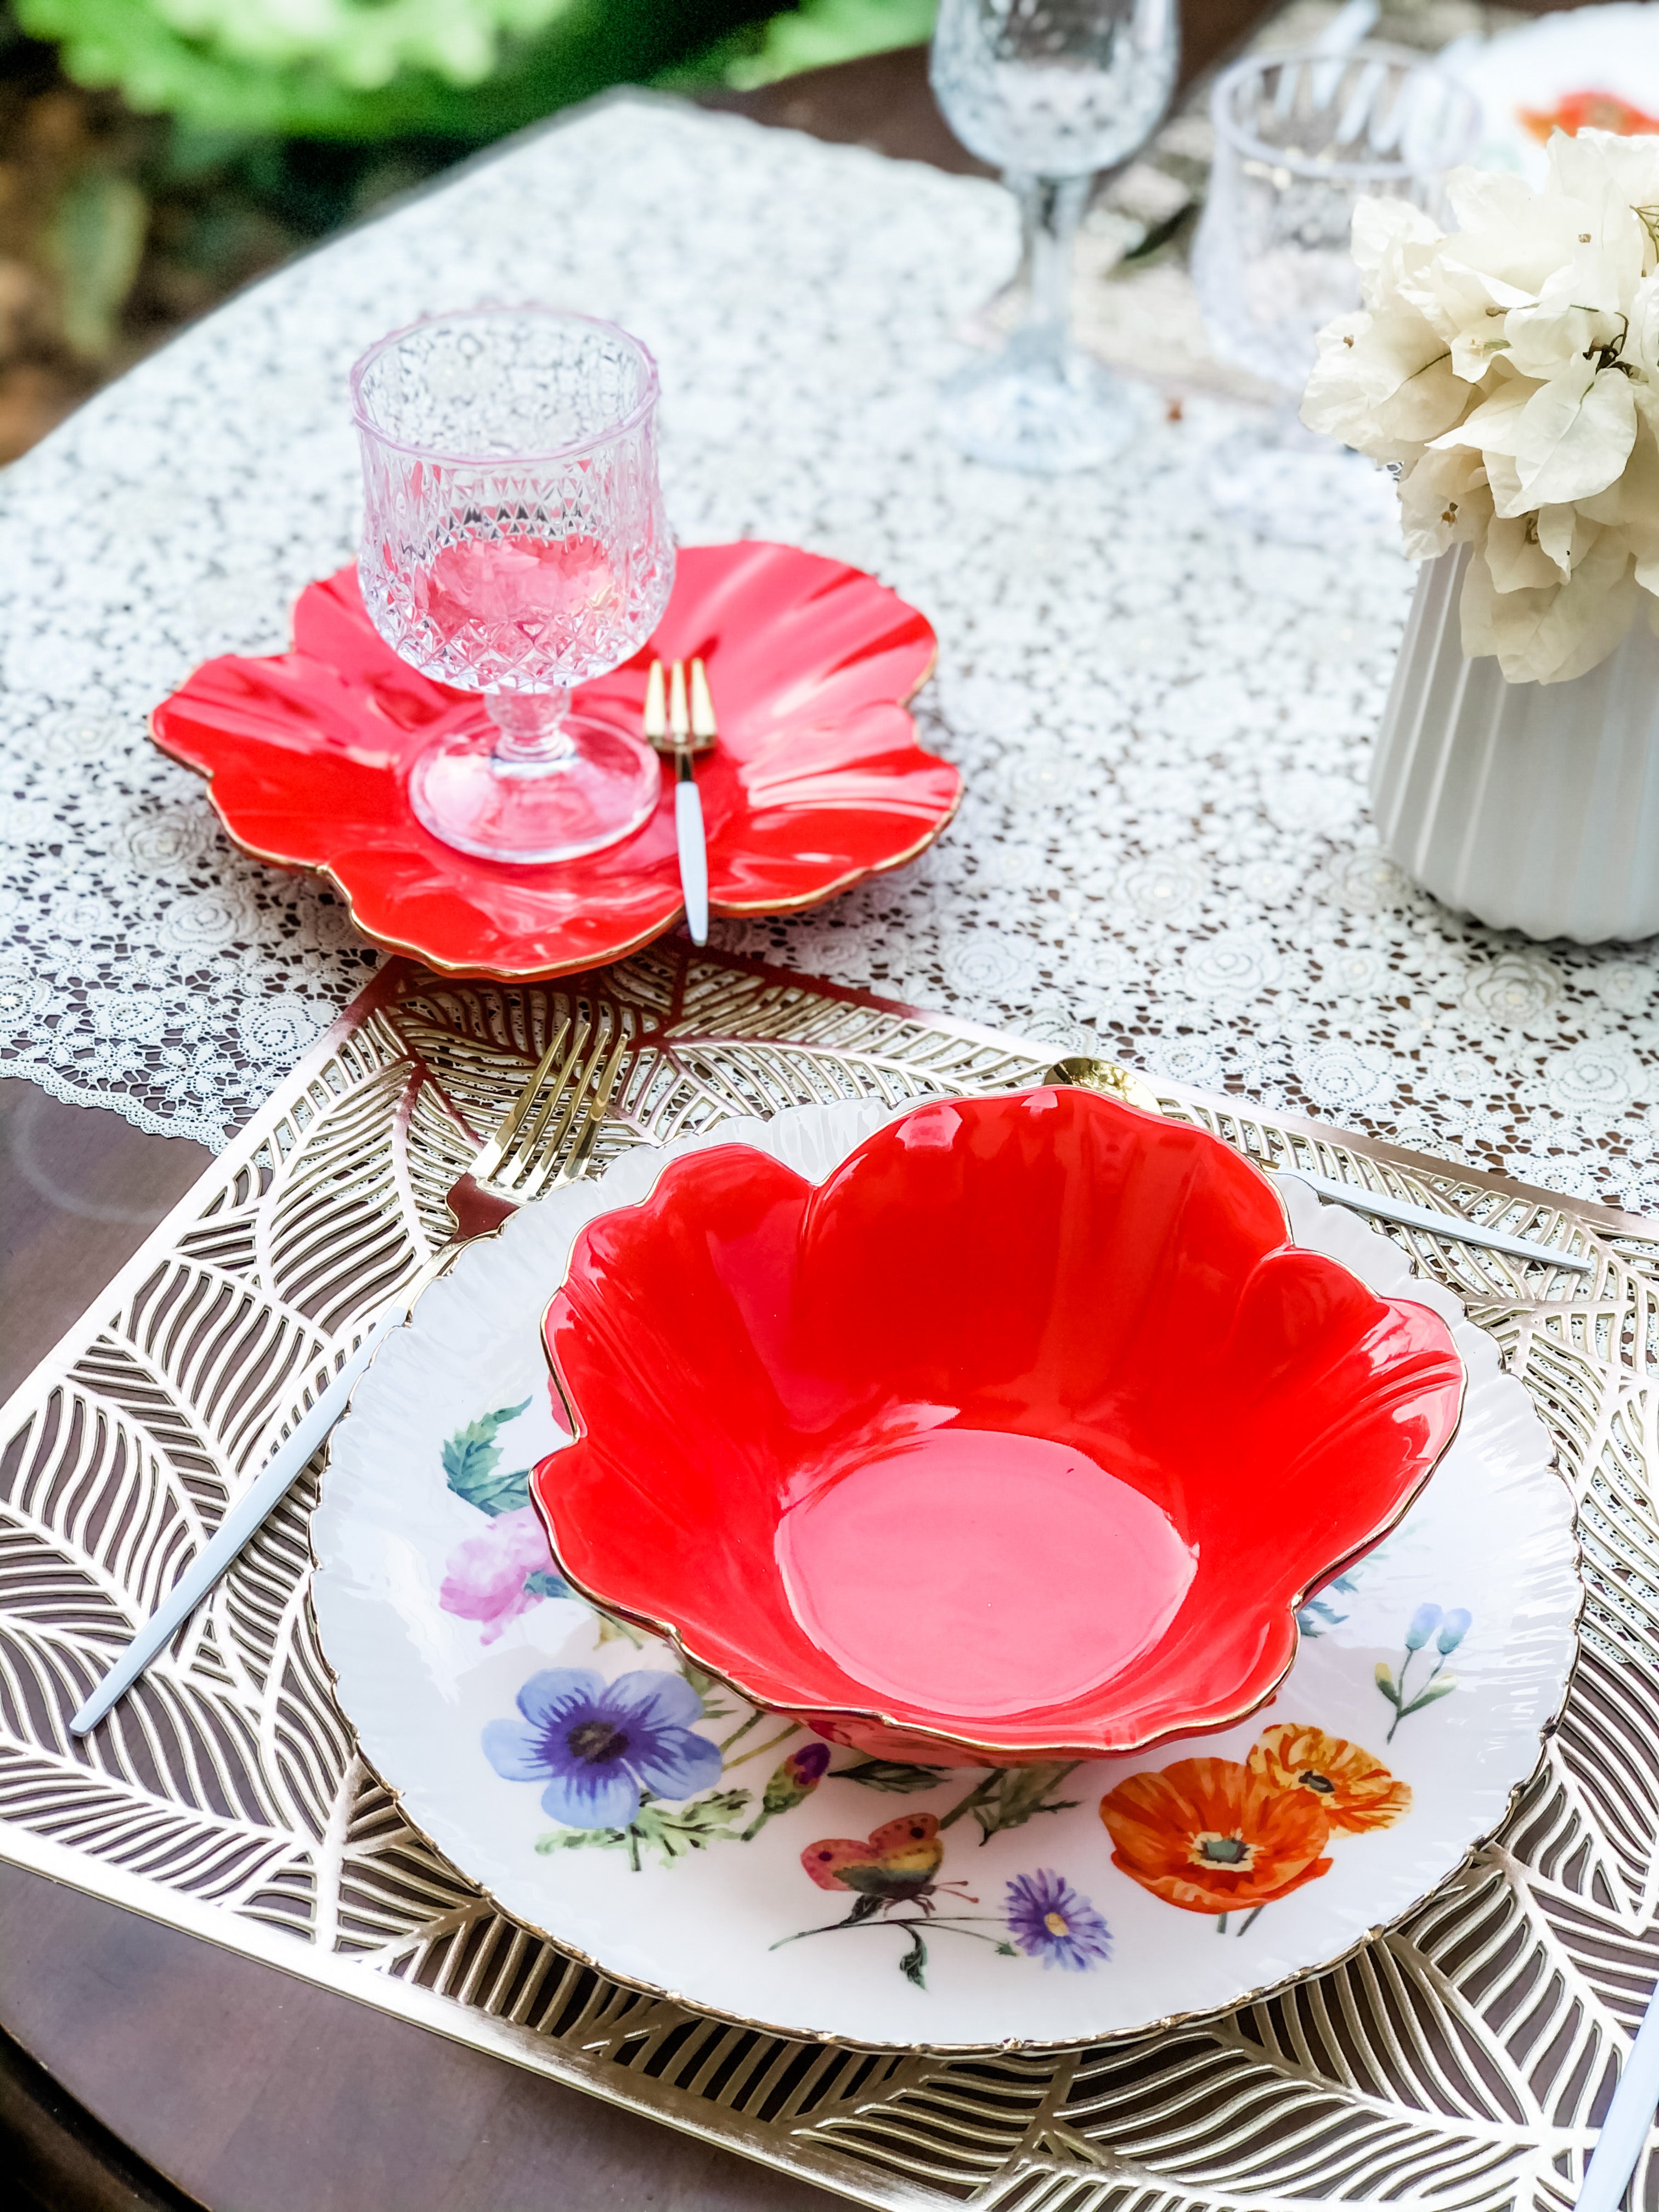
x=157 y=155
x=468 y=70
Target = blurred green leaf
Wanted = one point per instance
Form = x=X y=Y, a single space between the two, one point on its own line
x=188 y=55
x=820 y=33
x=371 y=69
x=93 y=243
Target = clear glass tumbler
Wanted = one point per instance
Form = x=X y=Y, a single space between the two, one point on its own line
x=1299 y=138
x=515 y=543
x=1051 y=91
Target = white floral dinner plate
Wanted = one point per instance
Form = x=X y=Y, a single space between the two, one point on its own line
x=1581 y=67
x=643 y=1818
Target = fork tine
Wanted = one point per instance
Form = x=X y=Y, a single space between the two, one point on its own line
x=656 y=710
x=517 y=1171
x=576 y=1159
x=680 y=721
x=704 y=727
x=575 y=1088
x=485 y=1167
x=576 y=1081
x=594 y=1100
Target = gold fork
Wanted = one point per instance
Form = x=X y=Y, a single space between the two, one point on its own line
x=529 y=1153
x=541 y=1142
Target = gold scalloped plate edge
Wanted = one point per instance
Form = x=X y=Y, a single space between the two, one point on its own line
x=586 y=963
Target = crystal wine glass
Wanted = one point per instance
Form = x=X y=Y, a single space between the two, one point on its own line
x=515 y=543
x=1051 y=91
x=1299 y=138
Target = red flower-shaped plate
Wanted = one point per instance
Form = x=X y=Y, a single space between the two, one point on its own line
x=818 y=781
x=1023 y=1436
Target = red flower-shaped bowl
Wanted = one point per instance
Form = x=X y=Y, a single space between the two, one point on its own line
x=818 y=781
x=1021 y=1436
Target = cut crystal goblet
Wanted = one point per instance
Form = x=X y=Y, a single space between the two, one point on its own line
x=1051 y=91
x=1300 y=139
x=515 y=543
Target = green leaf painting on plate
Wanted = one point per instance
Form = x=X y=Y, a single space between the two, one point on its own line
x=470 y=1457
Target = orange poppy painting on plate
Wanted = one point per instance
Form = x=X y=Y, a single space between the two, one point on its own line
x=1226 y=1835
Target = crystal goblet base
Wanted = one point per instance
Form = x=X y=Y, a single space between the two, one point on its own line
x=1038 y=407
x=543 y=786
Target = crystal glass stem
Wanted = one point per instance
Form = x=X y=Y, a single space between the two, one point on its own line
x=531 y=726
x=1040 y=405
x=1050 y=209
x=1018 y=290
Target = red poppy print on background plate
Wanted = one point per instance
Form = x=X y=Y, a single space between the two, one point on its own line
x=1220 y=1835
x=818 y=780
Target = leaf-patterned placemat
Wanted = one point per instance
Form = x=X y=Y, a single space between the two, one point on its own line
x=1462 y=2059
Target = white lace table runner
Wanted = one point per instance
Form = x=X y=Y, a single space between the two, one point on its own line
x=1164 y=723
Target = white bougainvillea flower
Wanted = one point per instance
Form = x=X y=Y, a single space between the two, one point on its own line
x=1516 y=560
x=1508 y=371
x=1631 y=507
x=1467 y=306
x=1573 y=318
x=1383 y=383
x=1574 y=435
x=1385 y=233
x=1444 y=500
x=1565 y=534
x=1560 y=631
x=1641 y=346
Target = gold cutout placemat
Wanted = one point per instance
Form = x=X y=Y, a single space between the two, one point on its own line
x=1460 y=2060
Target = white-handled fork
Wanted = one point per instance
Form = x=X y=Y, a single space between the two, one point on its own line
x=674 y=729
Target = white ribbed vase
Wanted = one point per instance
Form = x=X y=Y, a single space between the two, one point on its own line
x=1532 y=806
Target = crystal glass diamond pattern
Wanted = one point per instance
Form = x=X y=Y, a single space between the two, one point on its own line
x=515 y=543
x=1051 y=91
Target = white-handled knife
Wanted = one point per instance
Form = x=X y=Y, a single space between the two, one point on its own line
x=241 y=1521
x=1624 y=2131
x=1386 y=1207
x=1117 y=1081
x=538 y=1145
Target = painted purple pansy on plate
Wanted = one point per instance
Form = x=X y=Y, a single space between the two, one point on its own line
x=600 y=1747
x=638 y=1811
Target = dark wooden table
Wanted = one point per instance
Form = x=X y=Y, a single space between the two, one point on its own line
x=140 y=2067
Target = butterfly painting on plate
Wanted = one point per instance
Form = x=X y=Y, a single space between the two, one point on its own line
x=892 y=1877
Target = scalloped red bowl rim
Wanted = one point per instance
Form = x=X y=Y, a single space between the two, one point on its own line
x=957 y=1740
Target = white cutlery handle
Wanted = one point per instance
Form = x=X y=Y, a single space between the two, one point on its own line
x=694 y=858
x=243 y=1517
x=1624 y=2131
x=1438 y=1224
